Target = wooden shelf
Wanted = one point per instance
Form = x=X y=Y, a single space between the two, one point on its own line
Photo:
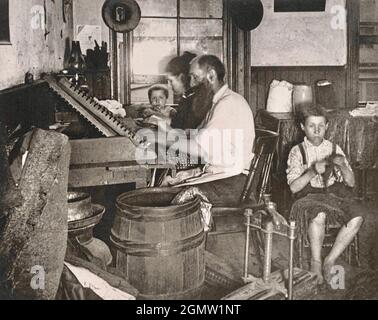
x=22 y=86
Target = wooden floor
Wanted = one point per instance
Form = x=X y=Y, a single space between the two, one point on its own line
x=360 y=283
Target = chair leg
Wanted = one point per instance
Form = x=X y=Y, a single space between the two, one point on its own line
x=257 y=246
x=205 y=240
x=300 y=252
x=364 y=185
x=357 y=250
x=348 y=252
x=265 y=174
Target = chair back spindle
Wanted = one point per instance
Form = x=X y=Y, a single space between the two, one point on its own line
x=261 y=164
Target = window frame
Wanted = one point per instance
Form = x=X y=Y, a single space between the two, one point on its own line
x=4 y=23
x=151 y=79
x=367 y=72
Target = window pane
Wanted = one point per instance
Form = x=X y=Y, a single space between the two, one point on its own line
x=368 y=90
x=155 y=27
x=203 y=28
x=203 y=46
x=155 y=42
x=202 y=36
x=165 y=8
x=369 y=10
x=201 y=8
x=369 y=53
x=4 y=22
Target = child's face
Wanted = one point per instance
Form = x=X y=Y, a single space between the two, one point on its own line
x=158 y=98
x=315 y=128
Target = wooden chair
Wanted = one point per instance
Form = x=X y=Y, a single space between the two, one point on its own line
x=230 y=219
x=351 y=252
x=272 y=122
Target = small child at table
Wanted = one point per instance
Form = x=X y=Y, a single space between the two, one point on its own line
x=158 y=96
x=321 y=180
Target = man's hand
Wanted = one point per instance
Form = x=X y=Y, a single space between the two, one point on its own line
x=320 y=166
x=181 y=177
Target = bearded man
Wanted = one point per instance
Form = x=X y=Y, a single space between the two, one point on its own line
x=224 y=140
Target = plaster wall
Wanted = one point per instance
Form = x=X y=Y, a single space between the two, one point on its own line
x=39 y=40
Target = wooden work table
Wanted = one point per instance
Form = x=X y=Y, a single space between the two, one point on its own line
x=108 y=161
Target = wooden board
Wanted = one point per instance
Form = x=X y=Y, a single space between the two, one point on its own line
x=220 y=274
x=102 y=176
x=102 y=150
x=304 y=287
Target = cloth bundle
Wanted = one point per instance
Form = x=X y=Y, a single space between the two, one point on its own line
x=113 y=106
x=82 y=284
x=371 y=110
x=307 y=208
x=189 y=194
x=336 y=201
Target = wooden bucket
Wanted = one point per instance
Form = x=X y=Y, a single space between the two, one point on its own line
x=159 y=247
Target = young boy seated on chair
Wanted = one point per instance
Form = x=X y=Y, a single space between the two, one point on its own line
x=321 y=178
x=158 y=96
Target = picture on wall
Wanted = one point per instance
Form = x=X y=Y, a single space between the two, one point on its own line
x=4 y=22
x=299 y=5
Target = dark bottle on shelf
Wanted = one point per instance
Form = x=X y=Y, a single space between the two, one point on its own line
x=76 y=61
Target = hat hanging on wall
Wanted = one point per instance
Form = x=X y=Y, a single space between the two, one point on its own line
x=121 y=15
x=247 y=14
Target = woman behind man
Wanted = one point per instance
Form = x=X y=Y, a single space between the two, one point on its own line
x=194 y=102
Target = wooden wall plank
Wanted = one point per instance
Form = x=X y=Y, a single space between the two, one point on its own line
x=253 y=99
x=261 y=94
x=352 y=72
x=339 y=82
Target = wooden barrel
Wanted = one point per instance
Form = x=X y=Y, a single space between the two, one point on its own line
x=159 y=247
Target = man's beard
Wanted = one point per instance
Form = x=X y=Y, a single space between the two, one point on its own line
x=203 y=99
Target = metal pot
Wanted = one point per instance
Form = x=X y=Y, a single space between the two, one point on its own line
x=79 y=206
x=83 y=216
x=82 y=230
